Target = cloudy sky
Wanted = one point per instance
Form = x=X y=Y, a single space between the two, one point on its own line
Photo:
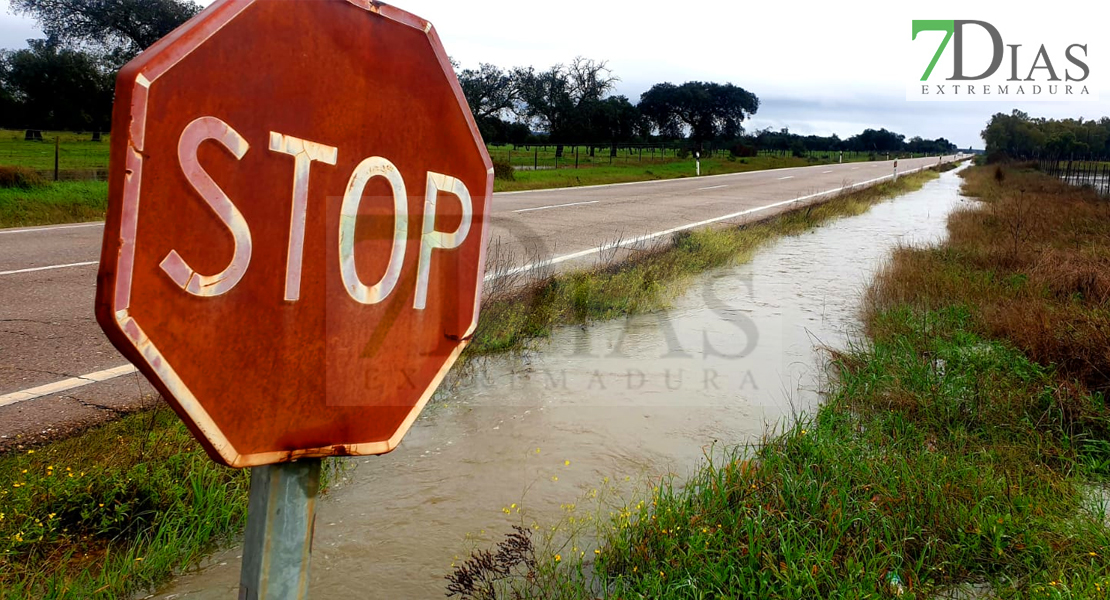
x=822 y=67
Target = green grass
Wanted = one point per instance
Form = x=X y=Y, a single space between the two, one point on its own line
x=941 y=458
x=77 y=151
x=60 y=202
x=144 y=501
x=114 y=510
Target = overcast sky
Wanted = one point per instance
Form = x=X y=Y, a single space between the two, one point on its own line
x=822 y=67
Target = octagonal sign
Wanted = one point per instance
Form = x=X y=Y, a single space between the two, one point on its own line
x=295 y=241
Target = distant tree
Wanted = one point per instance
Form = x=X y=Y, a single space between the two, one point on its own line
x=708 y=110
x=489 y=90
x=563 y=99
x=121 y=27
x=57 y=87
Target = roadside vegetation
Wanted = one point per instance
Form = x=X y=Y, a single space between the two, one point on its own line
x=964 y=450
x=122 y=507
x=27 y=198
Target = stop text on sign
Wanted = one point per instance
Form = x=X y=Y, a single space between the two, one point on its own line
x=305 y=153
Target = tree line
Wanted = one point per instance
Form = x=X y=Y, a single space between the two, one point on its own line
x=66 y=81
x=1019 y=136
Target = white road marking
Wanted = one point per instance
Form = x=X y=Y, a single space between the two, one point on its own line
x=787 y=177
x=556 y=206
x=823 y=172
x=54 y=228
x=65 y=385
x=32 y=270
x=712 y=187
x=643 y=238
x=855 y=168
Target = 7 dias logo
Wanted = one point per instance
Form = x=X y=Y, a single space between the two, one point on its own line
x=985 y=67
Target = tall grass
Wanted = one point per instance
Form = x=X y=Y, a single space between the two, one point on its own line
x=58 y=202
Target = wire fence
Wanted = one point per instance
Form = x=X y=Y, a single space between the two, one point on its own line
x=56 y=154
x=1093 y=173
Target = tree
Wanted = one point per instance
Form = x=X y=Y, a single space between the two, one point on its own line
x=489 y=90
x=563 y=98
x=57 y=88
x=708 y=110
x=121 y=27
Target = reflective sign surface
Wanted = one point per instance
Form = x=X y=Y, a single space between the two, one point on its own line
x=295 y=241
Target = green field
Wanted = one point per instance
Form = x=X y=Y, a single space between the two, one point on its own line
x=76 y=151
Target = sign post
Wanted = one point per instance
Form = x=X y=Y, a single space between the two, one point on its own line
x=277 y=547
x=295 y=243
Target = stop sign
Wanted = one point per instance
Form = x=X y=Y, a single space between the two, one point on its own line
x=295 y=241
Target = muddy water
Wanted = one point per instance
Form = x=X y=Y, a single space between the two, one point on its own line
x=626 y=400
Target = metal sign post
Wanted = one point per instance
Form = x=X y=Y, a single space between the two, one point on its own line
x=281 y=517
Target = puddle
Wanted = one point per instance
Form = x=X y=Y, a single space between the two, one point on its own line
x=637 y=399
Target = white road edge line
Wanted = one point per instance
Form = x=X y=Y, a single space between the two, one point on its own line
x=712 y=187
x=823 y=172
x=53 y=228
x=787 y=177
x=32 y=270
x=624 y=243
x=556 y=206
x=65 y=385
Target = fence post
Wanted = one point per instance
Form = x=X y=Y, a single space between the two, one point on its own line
x=536 y=160
x=57 y=151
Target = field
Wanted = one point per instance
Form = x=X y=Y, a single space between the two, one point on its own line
x=77 y=153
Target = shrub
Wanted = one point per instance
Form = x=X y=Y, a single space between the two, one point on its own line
x=502 y=169
x=20 y=177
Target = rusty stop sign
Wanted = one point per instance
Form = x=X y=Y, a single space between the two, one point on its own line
x=295 y=242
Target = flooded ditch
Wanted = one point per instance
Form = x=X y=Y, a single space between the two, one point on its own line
x=515 y=439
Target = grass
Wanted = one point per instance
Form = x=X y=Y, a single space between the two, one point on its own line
x=57 y=202
x=144 y=501
x=114 y=510
x=960 y=449
x=77 y=151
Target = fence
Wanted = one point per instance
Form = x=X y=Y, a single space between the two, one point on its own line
x=56 y=154
x=1092 y=173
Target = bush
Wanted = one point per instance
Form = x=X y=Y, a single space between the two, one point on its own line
x=20 y=177
x=502 y=169
x=740 y=151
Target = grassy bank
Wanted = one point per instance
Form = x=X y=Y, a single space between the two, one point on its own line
x=52 y=203
x=965 y=447
x=144 y=501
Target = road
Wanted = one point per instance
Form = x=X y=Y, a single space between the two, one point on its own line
x=58 y=371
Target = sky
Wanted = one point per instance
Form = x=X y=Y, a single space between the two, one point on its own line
x=818 y=68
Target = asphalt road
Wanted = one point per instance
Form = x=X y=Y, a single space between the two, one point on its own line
x=53 y=355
